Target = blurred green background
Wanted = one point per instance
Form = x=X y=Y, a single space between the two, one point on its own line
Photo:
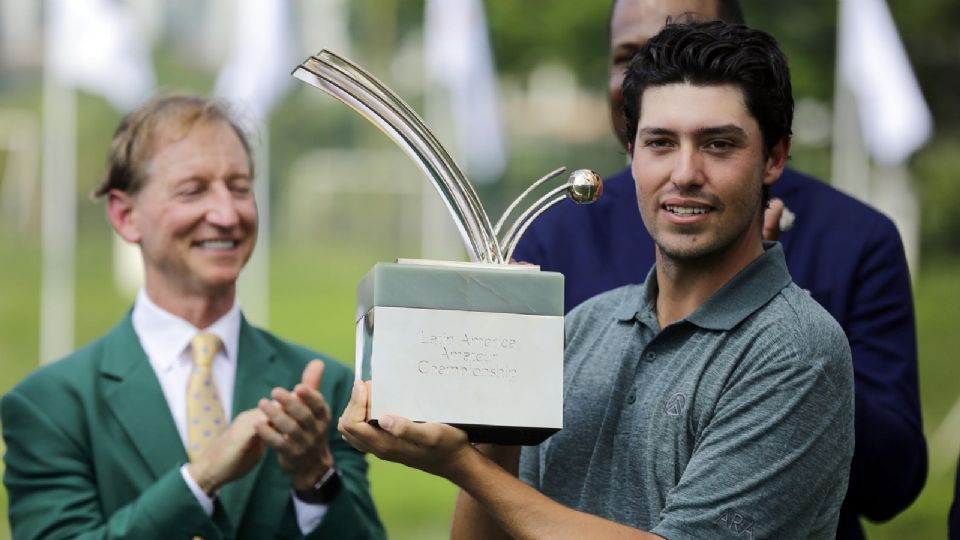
x=323 y=241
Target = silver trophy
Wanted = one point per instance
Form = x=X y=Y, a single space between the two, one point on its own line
x=478 y=345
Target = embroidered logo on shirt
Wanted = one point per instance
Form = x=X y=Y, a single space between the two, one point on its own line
x=736 y=523
x=675 y=404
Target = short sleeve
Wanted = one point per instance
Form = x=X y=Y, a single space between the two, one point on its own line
x=774 y=459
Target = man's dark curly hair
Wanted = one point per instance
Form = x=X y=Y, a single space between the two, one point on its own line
x=716 y=53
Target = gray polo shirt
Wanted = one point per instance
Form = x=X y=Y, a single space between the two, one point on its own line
x=735 y=422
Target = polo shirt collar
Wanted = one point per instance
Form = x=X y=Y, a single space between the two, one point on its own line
x=749 y=290
x=633 y=307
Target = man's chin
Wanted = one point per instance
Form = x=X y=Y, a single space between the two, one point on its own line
x=217 y=280
x=687 y=251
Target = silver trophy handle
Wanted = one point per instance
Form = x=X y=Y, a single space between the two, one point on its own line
x=363 y=93
x=381 y=106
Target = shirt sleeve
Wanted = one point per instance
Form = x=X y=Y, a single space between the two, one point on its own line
x=205 y=501
x=769 y=461
x=309 y=515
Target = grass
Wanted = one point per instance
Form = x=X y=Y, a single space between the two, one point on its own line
x=312 y=302
x=936 y=296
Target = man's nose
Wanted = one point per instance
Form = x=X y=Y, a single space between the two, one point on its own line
x=222 y=210
x=688 y=168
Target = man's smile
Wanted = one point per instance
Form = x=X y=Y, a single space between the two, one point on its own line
x=217 y=244
x=682 y=210
x=686 y=210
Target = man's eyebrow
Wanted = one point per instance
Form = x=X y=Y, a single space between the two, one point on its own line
x=728 y=130
x=626 y=47
x=187 y=179
x=656 y=131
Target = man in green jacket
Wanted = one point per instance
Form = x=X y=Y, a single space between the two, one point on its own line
x=129 y=436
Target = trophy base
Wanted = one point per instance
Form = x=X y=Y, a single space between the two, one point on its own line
x=501 y=434
x=475 y=346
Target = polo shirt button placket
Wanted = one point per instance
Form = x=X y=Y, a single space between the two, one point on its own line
x=650 y=356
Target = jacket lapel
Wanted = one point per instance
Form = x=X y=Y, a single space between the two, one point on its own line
x=258 y=372
x=133 y=394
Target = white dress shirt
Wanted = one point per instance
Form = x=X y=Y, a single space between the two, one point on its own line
x=166 y=340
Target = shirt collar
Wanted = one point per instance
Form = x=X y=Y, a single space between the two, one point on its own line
x=746 y=292
x=164 y=336
x=633 y=307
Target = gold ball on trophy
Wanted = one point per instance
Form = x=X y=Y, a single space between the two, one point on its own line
x=584 y=186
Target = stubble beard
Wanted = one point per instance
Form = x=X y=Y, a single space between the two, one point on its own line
x=715 y=246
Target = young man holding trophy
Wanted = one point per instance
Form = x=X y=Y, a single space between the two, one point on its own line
x=716 y=398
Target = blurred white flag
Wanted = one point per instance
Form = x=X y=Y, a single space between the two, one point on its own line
x=254 y=78
x=458 y=58
x=257 y=73
x=874 y=66
x=95 y=45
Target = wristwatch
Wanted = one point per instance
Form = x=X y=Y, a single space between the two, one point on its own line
x=324 y=491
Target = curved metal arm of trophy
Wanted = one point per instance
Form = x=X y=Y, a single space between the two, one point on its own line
x=583 y=187
x=382 y=107
x=506 y=213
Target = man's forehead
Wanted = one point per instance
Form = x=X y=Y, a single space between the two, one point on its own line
x=689 y=107
x=176 y=128
x=635 y=21
x=172 y=131
x=174 y=134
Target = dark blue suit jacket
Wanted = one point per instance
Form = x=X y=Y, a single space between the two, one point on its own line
x=851 y=260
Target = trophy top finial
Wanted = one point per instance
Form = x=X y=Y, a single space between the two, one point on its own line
x=584 y=186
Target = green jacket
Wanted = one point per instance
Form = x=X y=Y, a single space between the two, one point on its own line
x=93 y=452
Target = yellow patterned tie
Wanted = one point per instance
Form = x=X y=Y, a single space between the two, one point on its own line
x=204 y=411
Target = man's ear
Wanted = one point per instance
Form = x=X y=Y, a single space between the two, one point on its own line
x=121 y=213
x=776 y=161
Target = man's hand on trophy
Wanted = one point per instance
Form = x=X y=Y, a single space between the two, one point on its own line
x=438 y=449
